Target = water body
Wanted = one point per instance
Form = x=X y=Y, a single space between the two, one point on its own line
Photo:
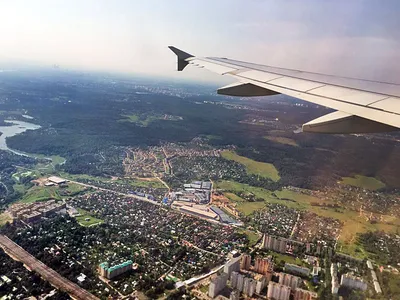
x=16 y=127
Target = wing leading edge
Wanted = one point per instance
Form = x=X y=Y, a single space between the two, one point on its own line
x=363 y=106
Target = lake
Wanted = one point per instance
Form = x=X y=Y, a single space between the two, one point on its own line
x=17 y=127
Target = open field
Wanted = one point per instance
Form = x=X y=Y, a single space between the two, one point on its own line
x=282 y=140
x=287 y=258
x=252 y=166
x=252 y=236
x=134 y=182
x=353 y=223
x=145 y=120
x=369 y=183
x=41 y=193
x=84 y=215
x=247 y=208
x=138 y=120
x=4 y=218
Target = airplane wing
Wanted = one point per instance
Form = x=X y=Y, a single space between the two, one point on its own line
x=362 y=105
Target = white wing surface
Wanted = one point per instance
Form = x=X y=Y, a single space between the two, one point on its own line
x=362 y=105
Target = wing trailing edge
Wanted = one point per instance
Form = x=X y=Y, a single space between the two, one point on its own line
x=341 y=122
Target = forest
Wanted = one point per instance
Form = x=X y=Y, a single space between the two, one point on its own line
x=82 y=120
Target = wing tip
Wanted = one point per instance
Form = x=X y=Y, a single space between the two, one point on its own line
x=182 y=56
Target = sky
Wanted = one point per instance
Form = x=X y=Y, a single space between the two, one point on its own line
x=351 y=38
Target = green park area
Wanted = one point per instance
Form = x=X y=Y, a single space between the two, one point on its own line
x=253 y=167
x=353 y=223
x=369 y=183
x=86 y=219
x=282 y=140
x=43 y=193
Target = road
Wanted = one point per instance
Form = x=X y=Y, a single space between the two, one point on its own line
x=17 y=253
x=4 y=187
x=115 y=192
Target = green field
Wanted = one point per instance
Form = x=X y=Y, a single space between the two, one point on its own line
x=369 y=183
x=252 y=236
x=134 y=182
x=147 y=183
x=252 y=166
x=141 y=120
x=42 y=193
x=4 y=218
x=83 y=215
x=287 y=258
x=282 y=140
x=353 y=223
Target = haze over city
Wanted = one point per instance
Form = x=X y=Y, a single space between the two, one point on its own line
x=356 y=38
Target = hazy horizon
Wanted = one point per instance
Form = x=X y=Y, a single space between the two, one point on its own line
x=356 y=39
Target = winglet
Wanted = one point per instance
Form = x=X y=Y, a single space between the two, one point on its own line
x=182 y=56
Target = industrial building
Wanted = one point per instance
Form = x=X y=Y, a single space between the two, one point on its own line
x=111 y=272
x=278 y=291
x=217 y=285
x=56 y=180
x=31 y=212
x=297 y=269
x=197 y=211
x=223 y=216
x=197 y=192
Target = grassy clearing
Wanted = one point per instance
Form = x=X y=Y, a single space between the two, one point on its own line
x=143 y=121
x=247 y=208
x=134 y=182
x=353 y=223
x=288 y=259
x=369 y=183
x=146 y=183
x=268 y=196
x=252 y=166
x=43 y=193
x=4 y=218
x=282 y=140
x=86 y=219
x=233 y=197
x=252 y=236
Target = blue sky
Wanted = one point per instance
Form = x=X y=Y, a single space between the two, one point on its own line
x=352 y=38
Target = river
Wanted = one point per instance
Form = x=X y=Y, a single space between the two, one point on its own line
x=17 y=127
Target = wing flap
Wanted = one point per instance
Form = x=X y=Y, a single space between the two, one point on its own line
x=347 y=95
x=390 y=104
x=340 y=122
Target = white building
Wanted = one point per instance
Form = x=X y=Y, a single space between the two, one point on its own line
x=278 y=291
x=217 y=285
x=232 y=265
x=353 y=282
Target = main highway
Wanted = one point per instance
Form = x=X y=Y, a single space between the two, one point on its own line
x=60 y=282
